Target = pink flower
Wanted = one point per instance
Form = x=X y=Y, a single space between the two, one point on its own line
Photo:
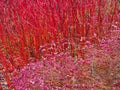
x=88 y=43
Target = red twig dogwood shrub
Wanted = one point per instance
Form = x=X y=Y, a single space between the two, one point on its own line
x=25 y=25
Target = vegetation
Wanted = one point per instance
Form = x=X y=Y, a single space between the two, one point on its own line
x=60 y=44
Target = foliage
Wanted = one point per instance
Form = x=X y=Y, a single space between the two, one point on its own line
x=37 y=31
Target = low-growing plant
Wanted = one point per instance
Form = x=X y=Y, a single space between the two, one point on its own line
x=62 y=71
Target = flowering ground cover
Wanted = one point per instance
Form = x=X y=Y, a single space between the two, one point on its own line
x=59 y=44
x=100 y=70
